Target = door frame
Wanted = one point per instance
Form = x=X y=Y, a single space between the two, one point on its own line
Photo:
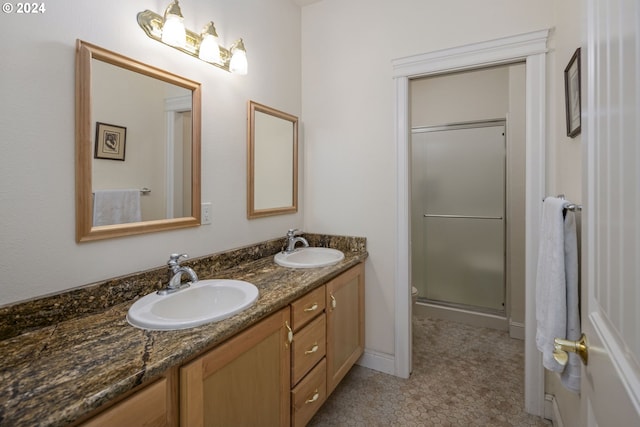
x=530 y=48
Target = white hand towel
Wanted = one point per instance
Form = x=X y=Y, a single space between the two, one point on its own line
x=551 y=289
x=570 y=377
x=116 y=207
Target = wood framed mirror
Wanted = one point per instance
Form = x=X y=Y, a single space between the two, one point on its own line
x=137 y=147
x=272 y=161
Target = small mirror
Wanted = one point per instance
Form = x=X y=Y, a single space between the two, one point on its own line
x=137 y=147
x=272 y=161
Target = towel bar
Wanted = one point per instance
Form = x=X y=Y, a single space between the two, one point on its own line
x=144 y=191
x=461 y=216
x=569 y=206
x=573 y=207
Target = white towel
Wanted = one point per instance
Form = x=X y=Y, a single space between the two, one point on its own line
x=570 y=377
x=557 y=309
x=116 y=207
x=551 y=289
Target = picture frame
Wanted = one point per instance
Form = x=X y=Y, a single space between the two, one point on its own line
x=573 y=101
x=110 y=142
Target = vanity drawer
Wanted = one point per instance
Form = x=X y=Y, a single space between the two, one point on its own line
x=306 y=308
x=308 y=347
x=309 y=395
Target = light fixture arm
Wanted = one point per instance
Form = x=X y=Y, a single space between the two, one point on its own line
x=152 y=24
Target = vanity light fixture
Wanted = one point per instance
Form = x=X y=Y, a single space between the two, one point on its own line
x=170 y=30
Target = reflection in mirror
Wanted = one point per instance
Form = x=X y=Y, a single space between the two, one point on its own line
x=137 y=147
x=272 y=162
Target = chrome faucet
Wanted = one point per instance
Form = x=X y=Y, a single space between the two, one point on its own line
x=175 y=275
x=292 y=239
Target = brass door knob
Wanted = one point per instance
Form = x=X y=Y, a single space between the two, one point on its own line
x=563 y=347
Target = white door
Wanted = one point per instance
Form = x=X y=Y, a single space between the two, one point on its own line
x=611 y=216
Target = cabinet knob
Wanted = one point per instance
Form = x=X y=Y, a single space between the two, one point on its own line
x=313 y=349
x=315 y=397
x=333 y=301
x=313 y=307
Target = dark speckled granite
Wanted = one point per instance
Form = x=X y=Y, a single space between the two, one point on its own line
x=63 y=357
x=23 y=317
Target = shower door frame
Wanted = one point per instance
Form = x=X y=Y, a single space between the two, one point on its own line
x=530 y=48
x=498 y=122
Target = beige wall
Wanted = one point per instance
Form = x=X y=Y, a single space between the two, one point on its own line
x=564 y=158
x=348 y=46
x=516 y=165
x=348 y=107
x=460 y=97
x=37 y=237
x=330 y=65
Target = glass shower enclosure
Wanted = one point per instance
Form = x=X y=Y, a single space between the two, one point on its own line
x=458 y=215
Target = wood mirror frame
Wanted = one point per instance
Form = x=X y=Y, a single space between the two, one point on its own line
x=85 y=231
x=272 y=161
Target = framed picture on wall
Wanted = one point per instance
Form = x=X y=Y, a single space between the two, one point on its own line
x=572 y=94
x=110 y=141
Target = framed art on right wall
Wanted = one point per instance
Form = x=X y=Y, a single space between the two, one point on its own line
x=572 y=95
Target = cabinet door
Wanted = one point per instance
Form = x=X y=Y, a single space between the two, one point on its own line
x=243 y=382
x=148 y=407
x=345 y=323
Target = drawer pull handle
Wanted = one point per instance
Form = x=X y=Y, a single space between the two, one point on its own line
x=315 y=397
x=313 y=307
x=313 y=349
x=333 y=301
x=289 y=333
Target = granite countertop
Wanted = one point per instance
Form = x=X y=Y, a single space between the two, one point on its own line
x=55 y=374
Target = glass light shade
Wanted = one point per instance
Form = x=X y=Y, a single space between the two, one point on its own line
x=238 y=63
x=209 y=49
x=173 y=31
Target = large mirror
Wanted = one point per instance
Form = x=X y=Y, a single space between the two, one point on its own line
x=137 y=147
x=272 y=161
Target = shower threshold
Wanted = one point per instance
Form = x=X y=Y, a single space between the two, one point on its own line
x=475 y=316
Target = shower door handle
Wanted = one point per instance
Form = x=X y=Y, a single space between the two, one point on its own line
x=462 y=216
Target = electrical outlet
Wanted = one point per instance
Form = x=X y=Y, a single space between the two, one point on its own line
x=205 y=218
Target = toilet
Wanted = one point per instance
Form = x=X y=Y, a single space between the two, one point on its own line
x=414 y=295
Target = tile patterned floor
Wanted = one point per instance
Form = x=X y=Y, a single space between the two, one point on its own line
x=462 y=376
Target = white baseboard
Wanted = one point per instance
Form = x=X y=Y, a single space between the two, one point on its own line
x=516 y=330
x=552 y=411
x=377 y=361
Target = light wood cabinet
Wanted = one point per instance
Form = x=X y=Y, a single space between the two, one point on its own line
x=258 y=377
x=308 y=349
x=242 y=382
x=309 y=395
x=345 y=323
x=306 y=308
x=152 y=406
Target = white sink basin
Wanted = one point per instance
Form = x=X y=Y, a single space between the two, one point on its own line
x=203 y=302
x=309 y=257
